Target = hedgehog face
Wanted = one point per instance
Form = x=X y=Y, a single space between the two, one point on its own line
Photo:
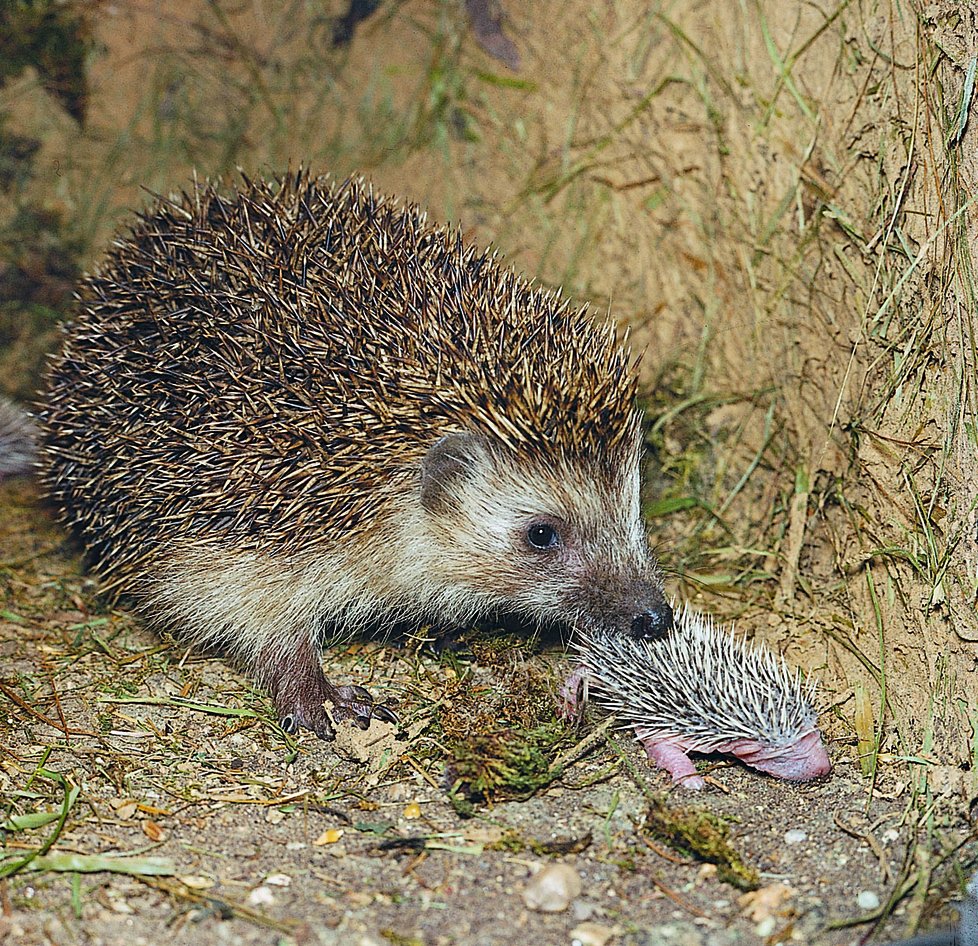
x=554 y=537
x=798 y=760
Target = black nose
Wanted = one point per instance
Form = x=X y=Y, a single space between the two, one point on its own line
x=653 y=624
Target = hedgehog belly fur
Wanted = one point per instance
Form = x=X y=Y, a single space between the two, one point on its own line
x=247 y=602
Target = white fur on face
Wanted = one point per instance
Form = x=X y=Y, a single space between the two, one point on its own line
x=480 y=534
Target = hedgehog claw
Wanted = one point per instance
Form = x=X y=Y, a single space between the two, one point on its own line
x=291 y=723
x=386 y=714
x=299 y=688
x=309 y=716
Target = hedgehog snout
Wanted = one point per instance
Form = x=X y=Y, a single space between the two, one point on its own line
x=633 y=608
x=652 y=624
x=800 y=760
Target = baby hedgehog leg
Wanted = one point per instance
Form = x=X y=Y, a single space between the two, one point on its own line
x=671 y=756
x=572 y=696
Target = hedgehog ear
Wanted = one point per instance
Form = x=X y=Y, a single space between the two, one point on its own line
x=449 y=461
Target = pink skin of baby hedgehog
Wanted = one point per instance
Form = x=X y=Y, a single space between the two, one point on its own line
x=798 y=758
x=798 y=761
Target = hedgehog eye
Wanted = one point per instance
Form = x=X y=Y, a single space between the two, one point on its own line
x=542 y=537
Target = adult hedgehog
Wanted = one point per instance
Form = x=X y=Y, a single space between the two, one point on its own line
x=294 y=410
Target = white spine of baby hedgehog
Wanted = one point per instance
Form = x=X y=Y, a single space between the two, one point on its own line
x=294 y=410
x=18 y=437
x=702 y=689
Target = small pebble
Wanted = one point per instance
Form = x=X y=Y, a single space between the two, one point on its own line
x=680 y=934
x=118 y=905
x=195 y=882
x=592 y=934
x=867 y=900
x=582 y=910
x=766 y=927
x=329 y=836
x=552 y=888
x=260 y=897
x=124 y=808
x=794 y=836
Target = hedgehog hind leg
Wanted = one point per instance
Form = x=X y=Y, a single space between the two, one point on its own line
x=671 y=756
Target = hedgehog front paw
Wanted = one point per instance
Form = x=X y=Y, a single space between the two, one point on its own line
x=301 y=691
x=353 y=702
x=307 y=710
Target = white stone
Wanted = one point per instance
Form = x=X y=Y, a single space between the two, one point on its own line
x=867 y=900
x=552 y=888
x=261 y=897
x=592 y=934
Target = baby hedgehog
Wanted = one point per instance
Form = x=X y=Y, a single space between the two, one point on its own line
x=701 y=689
x=293 y=410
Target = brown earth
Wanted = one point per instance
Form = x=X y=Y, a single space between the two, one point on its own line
x=775 y=199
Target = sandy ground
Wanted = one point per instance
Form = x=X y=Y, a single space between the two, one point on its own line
x=765 y=196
